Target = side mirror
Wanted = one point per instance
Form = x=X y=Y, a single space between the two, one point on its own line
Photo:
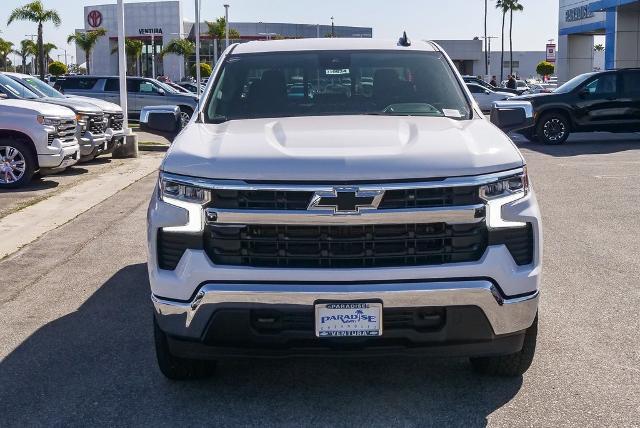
x=161 y=120
x=486 y=91
x=584 y=93
x=512 y=115
x=3 y=96
x=160 y=91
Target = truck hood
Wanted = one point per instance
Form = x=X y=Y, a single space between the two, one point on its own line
x=76 y=105
x=36 y=108
x=341 y=148
x=106 y=106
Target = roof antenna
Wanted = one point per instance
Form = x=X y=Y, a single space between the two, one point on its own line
x=404 y=40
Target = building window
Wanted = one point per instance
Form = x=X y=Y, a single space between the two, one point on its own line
x=507 y=64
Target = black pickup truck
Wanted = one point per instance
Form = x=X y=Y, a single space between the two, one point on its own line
x=605 y=101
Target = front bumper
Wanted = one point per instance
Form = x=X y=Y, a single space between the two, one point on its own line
x=66 y=156
x=221 y=319
x=91 y=144
x=190 y=318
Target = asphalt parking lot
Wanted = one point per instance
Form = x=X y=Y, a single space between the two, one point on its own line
x=76 y=335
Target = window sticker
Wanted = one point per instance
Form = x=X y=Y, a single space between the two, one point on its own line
x=451 y=113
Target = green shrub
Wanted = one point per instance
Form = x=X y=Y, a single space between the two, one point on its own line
x=545 y=68
x=57 y=68
x=205 y=70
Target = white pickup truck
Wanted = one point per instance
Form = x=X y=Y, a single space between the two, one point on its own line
x=34 y=137
x=343 y=197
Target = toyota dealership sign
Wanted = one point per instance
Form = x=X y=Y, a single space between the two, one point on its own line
x=94 y=18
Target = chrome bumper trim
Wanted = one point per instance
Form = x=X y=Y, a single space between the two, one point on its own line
x=455 y=215
x=209 y=183
x=190 y=319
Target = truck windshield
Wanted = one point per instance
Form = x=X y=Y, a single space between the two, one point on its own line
x=289 y=84
x=38 y=86
x=11 y=87
x=573 y=83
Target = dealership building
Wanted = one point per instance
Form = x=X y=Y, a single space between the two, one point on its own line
x=157 y=23
x=580 y=21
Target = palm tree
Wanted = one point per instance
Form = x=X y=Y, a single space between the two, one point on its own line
x=514 y=6
x=6 y=47
x=86 y=41
x=503 y=5
x=27 y=48
x=599 y=47
x=180 y=47
x=35 y=12
x=217 y=30
x=133 y=50
x=48 y=47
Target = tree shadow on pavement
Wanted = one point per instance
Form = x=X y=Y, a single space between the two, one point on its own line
x=97 y=366
x=583 y=144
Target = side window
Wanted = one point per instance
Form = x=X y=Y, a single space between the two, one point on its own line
x=147 y=88
x=133 y=85
x=475 y=89
x=631 y=84
x=79 y=83
x=112 y=85
x=606 y=84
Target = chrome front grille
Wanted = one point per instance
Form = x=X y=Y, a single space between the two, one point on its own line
x=392 y=199
x=274 y=225
x=115 y=121
x=66 y=132
x=96 y=124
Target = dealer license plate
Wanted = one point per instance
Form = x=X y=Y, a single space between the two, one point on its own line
x=348 y=319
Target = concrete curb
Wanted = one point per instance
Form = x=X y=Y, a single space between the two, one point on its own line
x=27 y=225
x=153 y=148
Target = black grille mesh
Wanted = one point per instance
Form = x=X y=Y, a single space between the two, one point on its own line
x=393 y=199
x=345 y=246
x=519 y=242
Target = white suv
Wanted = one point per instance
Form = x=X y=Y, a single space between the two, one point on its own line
x=374 y=212
x=34 y=137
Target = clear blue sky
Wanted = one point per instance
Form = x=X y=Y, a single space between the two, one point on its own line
x=422 y=19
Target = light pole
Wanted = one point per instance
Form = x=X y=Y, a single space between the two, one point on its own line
x=226 y=27
x=488 y=54
x=198 y=80
x=33 y=61
x=153 y=55
x=333 y=29
x=122 y=68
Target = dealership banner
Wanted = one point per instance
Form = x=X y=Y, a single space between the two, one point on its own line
x=551 y=53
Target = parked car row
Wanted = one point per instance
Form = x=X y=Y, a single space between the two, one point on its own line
x=141 y=92
x=46 y=131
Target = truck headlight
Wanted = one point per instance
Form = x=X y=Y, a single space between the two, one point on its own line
x=508 y=186
x=82 y=119
x=503 y=192
x=183 y=192
x=48 y=121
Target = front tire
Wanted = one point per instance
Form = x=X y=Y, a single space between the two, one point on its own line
x=553 y=129
x=17 y=164
x=185 y=116
x=177 y=368
x=513 y=364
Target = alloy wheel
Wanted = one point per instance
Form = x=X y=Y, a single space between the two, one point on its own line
x=554 y=129
x=12 y=165
x=184 y=117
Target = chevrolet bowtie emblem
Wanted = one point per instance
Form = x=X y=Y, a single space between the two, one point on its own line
x=346 y=200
